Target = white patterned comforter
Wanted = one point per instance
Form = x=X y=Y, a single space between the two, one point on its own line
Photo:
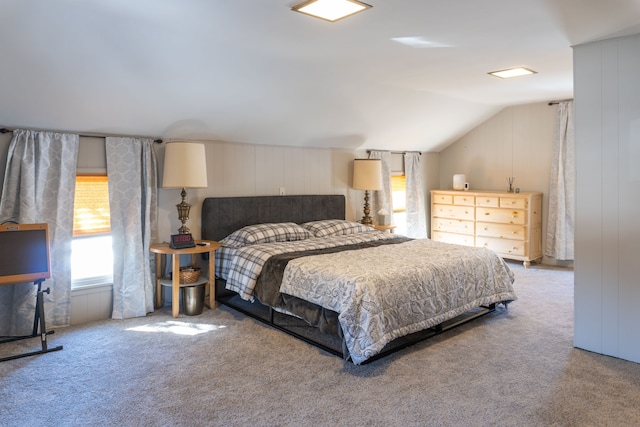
x=240 y=267
x=390 y=291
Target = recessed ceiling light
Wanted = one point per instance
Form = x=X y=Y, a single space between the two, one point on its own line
x=330 y=10
x=512 y=72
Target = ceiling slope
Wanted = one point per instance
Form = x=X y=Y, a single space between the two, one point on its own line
x=255 y=72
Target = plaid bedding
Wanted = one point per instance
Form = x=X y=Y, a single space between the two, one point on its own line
x=240 y=267
x=266 y=233
x=334 y=227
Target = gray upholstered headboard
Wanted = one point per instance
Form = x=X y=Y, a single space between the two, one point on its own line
x=223 y=215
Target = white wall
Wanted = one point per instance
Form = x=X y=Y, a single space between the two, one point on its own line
x=607 y=271
x=518 y=142
x=260 y=170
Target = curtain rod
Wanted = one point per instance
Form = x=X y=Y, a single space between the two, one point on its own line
x=157 y=141
x=558 y=102
x=396 y=152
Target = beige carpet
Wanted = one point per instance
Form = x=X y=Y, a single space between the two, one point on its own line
x=513 y=368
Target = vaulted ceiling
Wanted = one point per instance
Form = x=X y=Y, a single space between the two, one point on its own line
x=253 y=71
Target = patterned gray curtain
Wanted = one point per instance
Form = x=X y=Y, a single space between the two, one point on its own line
x=561 y=220
x=415 y=204
x=133 y=199
x=39 y=187
x=382 y=198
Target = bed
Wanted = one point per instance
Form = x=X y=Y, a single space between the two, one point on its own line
x=295 y=263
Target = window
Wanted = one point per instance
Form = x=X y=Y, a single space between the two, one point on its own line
x=91 y=252
x=91 y=206
x=399 y=200
x=399 y=192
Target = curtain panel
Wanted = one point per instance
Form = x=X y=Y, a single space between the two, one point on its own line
x=133 y=198
x=381 y=199
x=561 y=217
x=415 y=202
x=39 y=187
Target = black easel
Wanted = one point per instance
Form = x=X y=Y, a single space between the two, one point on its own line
x=38 y=320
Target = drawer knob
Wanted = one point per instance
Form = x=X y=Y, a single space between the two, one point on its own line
x=487 y=213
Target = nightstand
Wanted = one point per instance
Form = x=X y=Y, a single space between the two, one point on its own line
x=202 y=246
x=388 y=228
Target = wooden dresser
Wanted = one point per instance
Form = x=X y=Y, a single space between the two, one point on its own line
x=510 y=224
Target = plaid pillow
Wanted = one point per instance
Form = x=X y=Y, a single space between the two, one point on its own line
x=335 y=227
x=265 y=233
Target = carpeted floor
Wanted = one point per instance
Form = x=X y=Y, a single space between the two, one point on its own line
x=510 y=368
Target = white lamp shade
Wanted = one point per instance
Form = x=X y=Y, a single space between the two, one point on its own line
x=367 y=174
x=185 y=165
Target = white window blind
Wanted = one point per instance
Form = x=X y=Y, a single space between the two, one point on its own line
x=91 y=206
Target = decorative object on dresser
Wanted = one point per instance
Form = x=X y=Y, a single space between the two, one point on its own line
x=459 y=180
x=367 y=176
x=510 y=224
x=185 y=166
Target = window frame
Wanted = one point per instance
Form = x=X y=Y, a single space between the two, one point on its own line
x=98 y=280
x=395 y=188
x=399 y=184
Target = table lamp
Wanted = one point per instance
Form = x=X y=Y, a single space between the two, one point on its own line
x=367 y=176
x=185 y=166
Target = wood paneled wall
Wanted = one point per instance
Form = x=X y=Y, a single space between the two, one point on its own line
x=256 y=170
x=607 y=290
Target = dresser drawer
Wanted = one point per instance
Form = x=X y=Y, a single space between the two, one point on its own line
x=503 y=246
x=456 y=239
x=506 y=216
x=510 y=224
x=488 y=201
x=464 y=200
x=453 y=225
x=452 y=211
x=513 y=202
x=501 y=231
x=443 y=199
